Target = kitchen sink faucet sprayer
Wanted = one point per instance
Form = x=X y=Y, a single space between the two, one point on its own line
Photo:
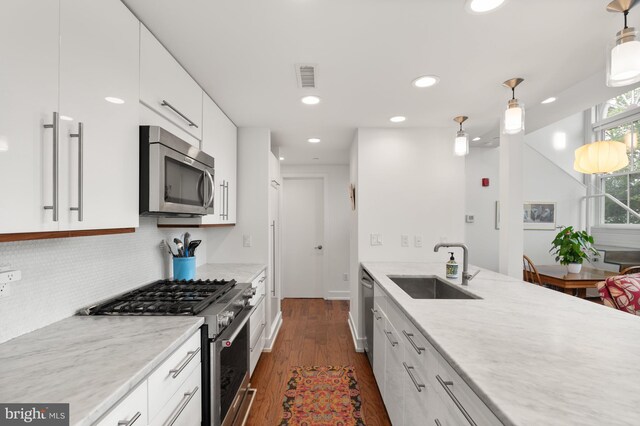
x=466 y=276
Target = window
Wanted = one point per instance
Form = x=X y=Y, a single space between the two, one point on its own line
x=619 y=120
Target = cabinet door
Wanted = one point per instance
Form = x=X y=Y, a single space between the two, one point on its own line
x=99 y=74
x=131 y=409
x=28 y=98
x=379 y=345
x=167 y=88
x=220 y=140
x=394 y=375
x=418 y=409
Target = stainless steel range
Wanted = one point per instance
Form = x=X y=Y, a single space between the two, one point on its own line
x=225 y=336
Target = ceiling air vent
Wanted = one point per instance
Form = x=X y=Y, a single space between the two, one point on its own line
x=306 y=74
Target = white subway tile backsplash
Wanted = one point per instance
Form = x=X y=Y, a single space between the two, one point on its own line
x=60 y=276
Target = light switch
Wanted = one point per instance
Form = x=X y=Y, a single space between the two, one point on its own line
x=246 y=240
x=417 y=240
x=469 y=218
x=404 y=240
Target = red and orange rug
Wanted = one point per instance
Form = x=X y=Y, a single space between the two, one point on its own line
x=322 y=396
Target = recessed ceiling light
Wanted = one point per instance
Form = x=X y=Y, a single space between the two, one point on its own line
x=310 y=100
x=549 y=100
x=397 y=119
x=483 y=6
x=66 y=118
x=114 y=100
x=281 y=158
x=313 y=140
x=426 y=81
x=476 y=139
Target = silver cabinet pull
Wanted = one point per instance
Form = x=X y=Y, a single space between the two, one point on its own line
x=376 y=316
x=56 y=161
x=226 y=202
x=259 y=335
x=365 y=284
x=186 y=399
x=213 y=186
x=416 y=347
x=437 y=422
x=389 y=334
x=176 y=371
x=261 y=280
x=273 y=267
x=80 y=136
x=446 y=385
x=130 y=422
x=418 y=386
x=172 y=108
x=223 y=196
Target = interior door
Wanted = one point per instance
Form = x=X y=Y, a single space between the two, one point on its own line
x=302 y=240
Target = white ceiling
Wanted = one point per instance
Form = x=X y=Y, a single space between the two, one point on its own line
x=368 y=52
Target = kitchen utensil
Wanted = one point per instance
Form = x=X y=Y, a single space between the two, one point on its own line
x=180 y=247
x=192 y=247
x=185 y=240
x=167 y=246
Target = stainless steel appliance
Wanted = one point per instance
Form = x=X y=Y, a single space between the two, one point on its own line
x=224 y=305
x=366 y=281
x=176 y=178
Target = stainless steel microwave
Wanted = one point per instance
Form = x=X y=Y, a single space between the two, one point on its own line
x=176 y=178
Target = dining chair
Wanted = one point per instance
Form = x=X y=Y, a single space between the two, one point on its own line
x=630 y=270
x=529 y=271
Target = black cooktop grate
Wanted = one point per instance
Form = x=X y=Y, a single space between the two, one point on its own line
x=166 y=297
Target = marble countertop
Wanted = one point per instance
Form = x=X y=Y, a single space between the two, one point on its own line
x=535 y=356
x=88 y=362
x=241 y=272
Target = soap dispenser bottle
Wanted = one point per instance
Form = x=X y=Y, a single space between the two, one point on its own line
x=452 y=267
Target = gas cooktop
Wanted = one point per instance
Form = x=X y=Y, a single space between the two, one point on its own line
x=165 y=297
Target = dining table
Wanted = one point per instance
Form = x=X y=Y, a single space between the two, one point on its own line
x=575 y=284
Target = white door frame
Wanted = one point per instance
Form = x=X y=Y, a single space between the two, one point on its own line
x=325 y=213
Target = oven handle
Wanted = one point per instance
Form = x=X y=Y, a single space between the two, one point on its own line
x=229 y=335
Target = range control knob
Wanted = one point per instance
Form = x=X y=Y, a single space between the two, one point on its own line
x=225 y=318
x=249 y=293
x=241 y=303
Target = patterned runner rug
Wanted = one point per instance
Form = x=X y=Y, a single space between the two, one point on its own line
x=322 y=396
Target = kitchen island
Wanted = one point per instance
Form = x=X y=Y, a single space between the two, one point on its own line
x=534 y=356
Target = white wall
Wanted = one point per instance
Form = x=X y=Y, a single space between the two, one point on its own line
x=356 y=320
x=481 y=236
x=226 y=243
x=409 y=182
x=60 y=276
x=336 y=226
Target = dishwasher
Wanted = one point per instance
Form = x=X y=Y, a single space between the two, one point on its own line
x=367 y=302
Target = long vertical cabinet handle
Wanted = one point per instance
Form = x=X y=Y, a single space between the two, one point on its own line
x=222 y=200
x=226 y=202
x=56 y=160
x=273 y=266
x=80 y=136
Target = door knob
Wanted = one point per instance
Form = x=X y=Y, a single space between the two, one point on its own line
x=318 y=247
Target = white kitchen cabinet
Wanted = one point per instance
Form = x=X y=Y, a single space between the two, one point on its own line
x=258 y=320
x=67 y=59
x=379 y=338
x=393 y=374
x=132 y=409
x=167 y=88
x=28 y=98
x=96 y=64
x=184 y=408
x=220 y=140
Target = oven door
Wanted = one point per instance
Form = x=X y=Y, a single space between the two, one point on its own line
x=179 y=184
x=230 y=371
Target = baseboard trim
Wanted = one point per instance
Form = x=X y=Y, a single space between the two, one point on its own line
x=357 y=341
x=338 y=295
x=271 y=340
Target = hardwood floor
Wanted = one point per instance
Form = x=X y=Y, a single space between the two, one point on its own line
x=314 y=332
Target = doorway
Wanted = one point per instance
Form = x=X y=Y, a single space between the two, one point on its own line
x=303 y=237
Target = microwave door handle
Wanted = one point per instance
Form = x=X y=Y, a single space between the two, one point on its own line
x=213 y=186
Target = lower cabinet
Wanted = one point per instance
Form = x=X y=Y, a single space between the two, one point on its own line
x=258 y=321
x=417 y=385
x=170 y=395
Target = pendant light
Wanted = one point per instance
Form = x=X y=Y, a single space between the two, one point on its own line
x=623 y=54
x=601 y=157
x=514 y=115
x=461 y=143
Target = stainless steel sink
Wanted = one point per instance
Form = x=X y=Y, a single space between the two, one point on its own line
x=431 y=288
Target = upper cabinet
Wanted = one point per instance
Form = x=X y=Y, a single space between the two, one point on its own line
x=166 y=88
x=68 y=155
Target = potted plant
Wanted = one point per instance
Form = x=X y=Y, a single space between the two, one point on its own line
x=572 y=248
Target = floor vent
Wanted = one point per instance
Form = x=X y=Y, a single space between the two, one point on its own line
x=306 y=74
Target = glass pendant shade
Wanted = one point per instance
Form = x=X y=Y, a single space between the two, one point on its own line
x=601 y=157
x=461 y=144
x=514 y=119
x=623 y=59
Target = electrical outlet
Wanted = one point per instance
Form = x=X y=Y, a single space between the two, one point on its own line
x=345 y=277
x=10 y=276
x=246 y=240
x=4 y=290
x=417 y=241
x=380 y=239
x=404 y=240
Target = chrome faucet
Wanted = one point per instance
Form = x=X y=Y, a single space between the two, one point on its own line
x=466 y=276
